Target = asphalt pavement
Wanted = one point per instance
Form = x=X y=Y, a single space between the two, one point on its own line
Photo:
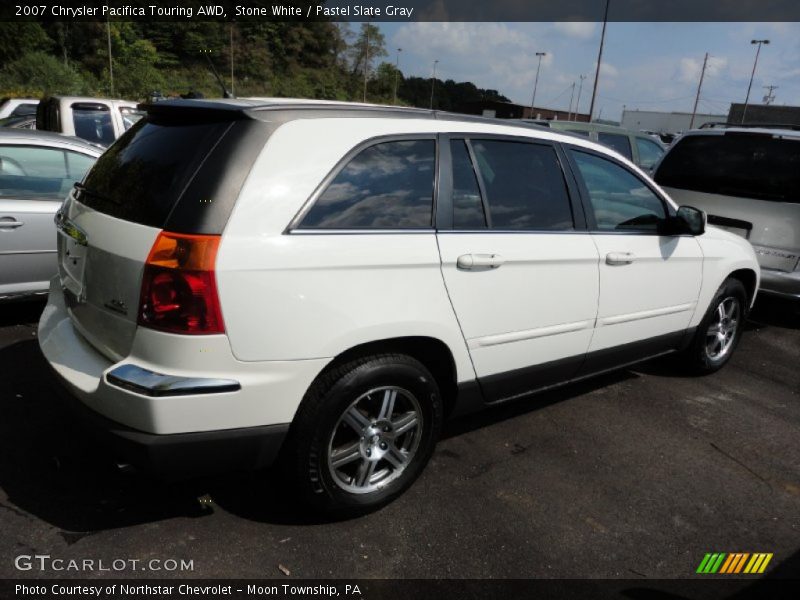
x=636 y=474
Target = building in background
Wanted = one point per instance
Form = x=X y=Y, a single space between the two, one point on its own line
x=509 y=110
x=768 y=114
x=666 y=122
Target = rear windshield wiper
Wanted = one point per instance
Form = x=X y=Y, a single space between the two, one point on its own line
x=84 y=190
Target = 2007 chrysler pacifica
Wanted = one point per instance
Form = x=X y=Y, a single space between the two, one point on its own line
x=247 y=279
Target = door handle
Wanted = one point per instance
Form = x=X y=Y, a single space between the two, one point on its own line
x=474 y=262
x=620 y=258
x=11 y=224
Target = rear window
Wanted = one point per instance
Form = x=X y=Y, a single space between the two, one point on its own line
x=734 y=164
x=93 y=123
x=618 y=142
x=142 y=176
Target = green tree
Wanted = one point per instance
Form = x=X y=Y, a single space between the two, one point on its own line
x=39 y=74
x=369 y=46
x=19 y=39
x=134 y=62
x=382 y=83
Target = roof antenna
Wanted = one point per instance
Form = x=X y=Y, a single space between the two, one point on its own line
x=225 y=92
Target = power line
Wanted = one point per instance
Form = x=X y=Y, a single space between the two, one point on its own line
x=564 y=91
x=629 y=102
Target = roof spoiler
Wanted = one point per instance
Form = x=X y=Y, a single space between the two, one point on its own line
x=195 y=109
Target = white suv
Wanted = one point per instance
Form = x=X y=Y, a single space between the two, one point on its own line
x=246 y=279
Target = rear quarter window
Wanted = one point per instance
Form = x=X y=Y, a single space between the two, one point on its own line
x=388 y=185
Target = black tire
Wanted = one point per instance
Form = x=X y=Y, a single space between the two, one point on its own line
x=321 y=427
x=699 y=358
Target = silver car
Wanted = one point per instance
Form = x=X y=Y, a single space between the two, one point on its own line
x=37 y=170
x=748 y=181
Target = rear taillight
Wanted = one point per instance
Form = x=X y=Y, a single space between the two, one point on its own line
x=179 y=289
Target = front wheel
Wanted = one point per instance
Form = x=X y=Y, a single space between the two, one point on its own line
x=364 y=433
x=719 y=331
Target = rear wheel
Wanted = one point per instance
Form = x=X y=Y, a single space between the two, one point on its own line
x=719 y=331
x=364 y=433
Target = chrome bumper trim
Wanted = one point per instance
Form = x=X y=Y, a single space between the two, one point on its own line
x=149 y=383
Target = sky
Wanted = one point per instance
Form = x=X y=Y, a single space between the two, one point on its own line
x=649 y=66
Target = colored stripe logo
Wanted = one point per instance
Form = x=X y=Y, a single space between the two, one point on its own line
x=734 y=563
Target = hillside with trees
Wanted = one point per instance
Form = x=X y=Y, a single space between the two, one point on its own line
x=310 y=60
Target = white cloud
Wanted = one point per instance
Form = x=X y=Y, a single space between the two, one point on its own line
x=576 y=29
x=689 y=68
x=494 y=55
x=606 y=69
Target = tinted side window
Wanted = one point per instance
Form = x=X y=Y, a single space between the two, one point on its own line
x=618 y=142
x=467 y=204
x=524 y=184
x=621 y=201
x=93 y=124
x=386 y=186
x=39 y=173
x=649 y=152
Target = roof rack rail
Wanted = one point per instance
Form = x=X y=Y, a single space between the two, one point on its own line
x=724 y=125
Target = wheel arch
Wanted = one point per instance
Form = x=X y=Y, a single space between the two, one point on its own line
x=749 y=280
x=432 y=352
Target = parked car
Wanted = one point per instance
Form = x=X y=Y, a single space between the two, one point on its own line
x=37 y=171
x=637 y=146
x=748 y=180
x=97 y=120
x=17 y=107
x=240 y=279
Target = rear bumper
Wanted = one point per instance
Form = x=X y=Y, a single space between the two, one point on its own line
x=181 y=455
x=176 y=404
x=780 y=283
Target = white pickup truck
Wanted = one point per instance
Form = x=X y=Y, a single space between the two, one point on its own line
x=98 y=120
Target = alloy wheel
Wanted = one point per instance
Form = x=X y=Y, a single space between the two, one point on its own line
x=375 y=439
x=721 y=332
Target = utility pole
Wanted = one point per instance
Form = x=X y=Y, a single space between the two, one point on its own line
x=578 y=103
x=697 y=97
x=571 y=96
x=110 y=61
x=753 y=74
x=599 y=61
x=536 y=81
x=396 y=73
x=770 y=96
x=366 y=62
x=433 y=81
x=233 y=93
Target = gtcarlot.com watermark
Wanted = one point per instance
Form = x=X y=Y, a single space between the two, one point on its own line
x=45 y=562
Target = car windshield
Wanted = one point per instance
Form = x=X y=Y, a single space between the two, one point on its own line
x=748 y=165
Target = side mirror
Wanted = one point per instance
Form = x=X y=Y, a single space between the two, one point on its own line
x=695 y=220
